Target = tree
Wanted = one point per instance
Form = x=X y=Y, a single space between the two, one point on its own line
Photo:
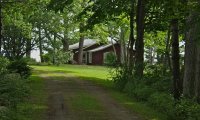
x=191 y=84
x=176 y=58
x=17 y=32
x=140 y=38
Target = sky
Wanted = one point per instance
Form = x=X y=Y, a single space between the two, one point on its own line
x=36 y=55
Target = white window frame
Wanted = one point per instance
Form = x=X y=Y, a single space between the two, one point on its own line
x=84 y=58
x=90 y=57
x=104 y=56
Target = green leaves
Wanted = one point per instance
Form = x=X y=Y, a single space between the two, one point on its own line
x=4 y=63
x=59 y=5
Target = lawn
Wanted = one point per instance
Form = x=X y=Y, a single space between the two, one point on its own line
x=78 y=70
x=96 y=74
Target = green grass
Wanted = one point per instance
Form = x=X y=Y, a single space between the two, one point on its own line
x=84 y=101
x=87 y=106
x=78 y=70
x=99 y=75
x=139 y=108
x=35 y=106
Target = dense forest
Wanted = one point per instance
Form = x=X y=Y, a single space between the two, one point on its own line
x=159 y=39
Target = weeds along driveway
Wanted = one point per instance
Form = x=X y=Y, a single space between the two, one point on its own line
x=70 y=98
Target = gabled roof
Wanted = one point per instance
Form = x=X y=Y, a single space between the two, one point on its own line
x=87 y=43
x=102 y=47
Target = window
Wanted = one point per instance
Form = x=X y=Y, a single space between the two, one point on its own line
x=85 y=57
x=90 y=57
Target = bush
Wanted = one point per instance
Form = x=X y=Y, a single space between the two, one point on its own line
x=31 y=61
x=162 y=102
x=13 y=89
x=57 y=58
x=142 y=92
x=181 y=110
x=4 y=113
x=46 y=58
x=3 y=65
x=187 y=110
x=61 y=57
x=120 y=76
x=110 y=59
x=155 y=78
x=154 y=89
x=21 y=67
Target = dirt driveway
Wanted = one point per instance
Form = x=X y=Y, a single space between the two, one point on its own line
x=70 y=98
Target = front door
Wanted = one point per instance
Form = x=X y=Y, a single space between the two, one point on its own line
x=84 y=57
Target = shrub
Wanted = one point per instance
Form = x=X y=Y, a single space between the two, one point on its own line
x=187 y=110
x=154 y=89
x=142 y=92
x=46 y=58
x=21 y=67
x=13 y=90
x=31 y=61
x=120 y=76
x=155 y=78
x=61 y=57
x=163 y=103
x=58 y=57
x=110 y=59
x=4 y=113
x=3 y=65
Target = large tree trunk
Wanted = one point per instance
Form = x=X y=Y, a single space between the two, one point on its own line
x=28 y=48
x=175 y=59
x=0 y=27
x=131 y=37
x=65 y=43
x=122 y=46
x=40 y=45
x=81 y=42
x=197 y=75
x=139 y=63
x=191 y=83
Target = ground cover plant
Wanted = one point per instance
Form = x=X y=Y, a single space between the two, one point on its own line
x=156 y=90
x=14 y=89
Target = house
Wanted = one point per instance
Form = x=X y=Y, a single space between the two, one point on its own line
x=95 y=53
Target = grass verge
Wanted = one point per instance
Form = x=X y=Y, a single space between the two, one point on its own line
x=34 y=108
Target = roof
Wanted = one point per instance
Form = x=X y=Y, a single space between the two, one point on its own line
x=87 y=43
x=101 y=48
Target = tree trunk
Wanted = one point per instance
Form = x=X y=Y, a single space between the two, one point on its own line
x=139 y=63
x=81 y=42
x=191 y=82
x=122 y=46
x=167 y=59
x=175 y=59
x=28 y=48
x=54 y=48
x=0 y=27
x=40 y=45
x=131 y=37
x=65 y=43
x=197 y=75
x=151 y=55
